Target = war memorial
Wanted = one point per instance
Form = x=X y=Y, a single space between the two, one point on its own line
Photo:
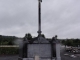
x=40 y=48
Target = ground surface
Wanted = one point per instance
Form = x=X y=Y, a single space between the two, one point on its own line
x=9 y=57
x=68 y=57
x=63 y=57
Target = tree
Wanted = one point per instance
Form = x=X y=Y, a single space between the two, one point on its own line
x=69 y=42
x=76 y=42
x=28 y=36
x=10 y=43
x=63 y=42
x=43 y=35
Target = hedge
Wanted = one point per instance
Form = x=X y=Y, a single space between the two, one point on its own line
x=9 y=50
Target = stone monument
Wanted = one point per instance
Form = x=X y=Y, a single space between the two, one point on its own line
x=40 y=48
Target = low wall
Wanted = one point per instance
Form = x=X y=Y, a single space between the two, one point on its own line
x=9 y=50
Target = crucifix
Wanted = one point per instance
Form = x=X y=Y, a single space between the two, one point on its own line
x=39 y=17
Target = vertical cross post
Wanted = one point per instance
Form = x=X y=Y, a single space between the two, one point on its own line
x=39 y=17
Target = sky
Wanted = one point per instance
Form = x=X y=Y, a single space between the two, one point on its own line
x=58 y=17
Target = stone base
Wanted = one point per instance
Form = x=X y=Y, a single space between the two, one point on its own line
x=58 y=58
x=34 y=59
x=28 y=59
x=20 y=58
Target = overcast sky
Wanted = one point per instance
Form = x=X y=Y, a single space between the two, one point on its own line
x=59 y=17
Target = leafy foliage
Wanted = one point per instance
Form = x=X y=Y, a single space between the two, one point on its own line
x=71 y=42
x=7 y=40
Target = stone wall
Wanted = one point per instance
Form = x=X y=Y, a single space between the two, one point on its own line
x=41 y=50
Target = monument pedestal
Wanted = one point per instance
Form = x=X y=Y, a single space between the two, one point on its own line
x=20 y=58
x=58 y=51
